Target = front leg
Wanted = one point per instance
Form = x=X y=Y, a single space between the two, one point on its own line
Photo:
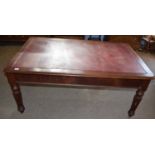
x=137 y=98
x=136 y=101
x=16 y=92
x=18 y=97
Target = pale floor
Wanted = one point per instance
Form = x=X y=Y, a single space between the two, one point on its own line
x=54 y=102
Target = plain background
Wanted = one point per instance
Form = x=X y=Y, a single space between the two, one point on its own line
x=79 y=137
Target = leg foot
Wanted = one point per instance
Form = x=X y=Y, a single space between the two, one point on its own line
x=21 y=108
x=131 y=113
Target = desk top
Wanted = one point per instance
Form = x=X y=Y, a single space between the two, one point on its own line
x=78 y=58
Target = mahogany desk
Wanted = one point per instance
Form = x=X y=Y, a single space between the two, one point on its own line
x=70 y=62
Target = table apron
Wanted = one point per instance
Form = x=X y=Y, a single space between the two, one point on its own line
x=75 y=80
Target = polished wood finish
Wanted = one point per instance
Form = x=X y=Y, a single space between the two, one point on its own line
x=72 y=62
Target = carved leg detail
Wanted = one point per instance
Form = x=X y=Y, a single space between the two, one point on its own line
x=17 y=96
x=16 y=92
x=136 y=100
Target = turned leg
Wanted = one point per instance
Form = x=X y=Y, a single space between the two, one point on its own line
x=17 y=94
x=18 y=98
x=137 y=98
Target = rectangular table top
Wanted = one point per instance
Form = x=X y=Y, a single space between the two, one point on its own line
x=78 y=58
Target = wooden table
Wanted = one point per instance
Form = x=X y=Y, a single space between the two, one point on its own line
x=69 y=62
